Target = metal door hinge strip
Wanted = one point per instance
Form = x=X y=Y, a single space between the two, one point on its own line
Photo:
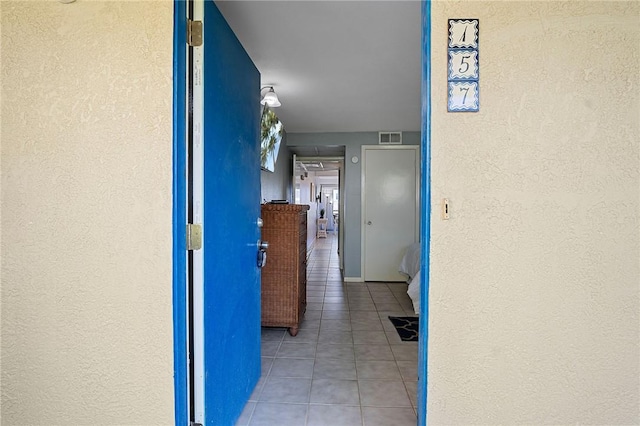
x=194 y=33
x=194 y=236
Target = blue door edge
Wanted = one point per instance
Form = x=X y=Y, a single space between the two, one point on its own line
x=180 y=375
x=425 y=218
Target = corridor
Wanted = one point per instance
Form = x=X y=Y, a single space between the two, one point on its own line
x=347 y=366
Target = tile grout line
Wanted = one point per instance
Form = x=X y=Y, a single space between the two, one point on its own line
x=330 y=286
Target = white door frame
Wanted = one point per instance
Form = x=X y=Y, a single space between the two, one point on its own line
x=363 y=213
x=341 y=215
x=197 y=72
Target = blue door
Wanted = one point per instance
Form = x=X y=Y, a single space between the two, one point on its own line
x=226 y=351
x=425 y=223
x=231 y=212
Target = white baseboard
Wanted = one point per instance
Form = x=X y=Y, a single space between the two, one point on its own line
x=352 y=279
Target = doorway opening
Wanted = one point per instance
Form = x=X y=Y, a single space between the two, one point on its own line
x=179 y=220
x=319 y=182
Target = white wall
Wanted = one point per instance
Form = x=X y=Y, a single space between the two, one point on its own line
x=535 y=278
x=86 y=213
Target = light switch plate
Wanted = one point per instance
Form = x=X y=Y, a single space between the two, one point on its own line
x=445 y=209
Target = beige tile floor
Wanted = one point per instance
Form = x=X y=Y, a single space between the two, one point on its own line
x=347 y=366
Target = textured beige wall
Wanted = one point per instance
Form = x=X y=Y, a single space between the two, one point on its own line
x=86 y=212
x=535 y=278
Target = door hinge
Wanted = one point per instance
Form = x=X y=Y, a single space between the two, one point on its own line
x=194 y=236
x=194 y=33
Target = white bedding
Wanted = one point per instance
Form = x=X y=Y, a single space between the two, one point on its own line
x=410 y=266
x=414 y=292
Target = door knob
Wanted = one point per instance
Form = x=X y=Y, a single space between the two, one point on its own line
x=262 y=258
x=262 y=253
x=369 y=223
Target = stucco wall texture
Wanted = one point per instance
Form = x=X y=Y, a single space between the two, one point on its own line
x=86 y=213
x=535 y=278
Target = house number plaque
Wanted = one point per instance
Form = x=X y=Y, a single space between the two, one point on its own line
x=463 y=72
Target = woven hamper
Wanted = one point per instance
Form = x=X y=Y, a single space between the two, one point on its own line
x=284 y=277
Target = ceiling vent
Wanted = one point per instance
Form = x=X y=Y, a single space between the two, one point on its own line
x=390 y=138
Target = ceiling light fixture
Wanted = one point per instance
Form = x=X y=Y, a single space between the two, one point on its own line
x=270 y=98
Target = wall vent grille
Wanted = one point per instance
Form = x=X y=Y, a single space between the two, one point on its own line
x=390 y=138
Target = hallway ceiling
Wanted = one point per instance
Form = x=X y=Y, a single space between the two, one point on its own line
x=319 y=166
x=337 y=66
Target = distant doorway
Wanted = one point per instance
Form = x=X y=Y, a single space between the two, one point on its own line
x=319 y=182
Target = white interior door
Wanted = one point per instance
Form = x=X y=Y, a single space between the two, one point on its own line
x=341 y=216
x=295 y=187
x=390 y=177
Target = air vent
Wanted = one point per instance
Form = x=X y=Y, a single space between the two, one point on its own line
x=390 y=138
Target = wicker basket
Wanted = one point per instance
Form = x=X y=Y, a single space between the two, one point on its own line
x=284 y=277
